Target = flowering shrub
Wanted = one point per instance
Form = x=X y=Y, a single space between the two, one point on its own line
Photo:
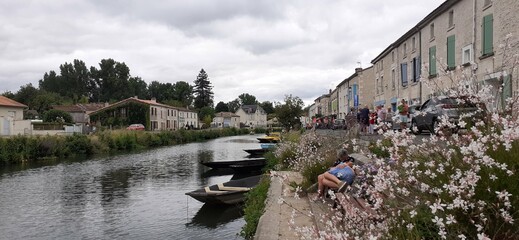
x=449 y=185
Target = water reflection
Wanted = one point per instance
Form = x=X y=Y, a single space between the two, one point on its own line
x=212 y=216
x=130 y=196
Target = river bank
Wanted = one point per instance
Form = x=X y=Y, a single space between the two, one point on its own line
x=23 y=149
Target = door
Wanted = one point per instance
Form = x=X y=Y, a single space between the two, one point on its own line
x=6 y=124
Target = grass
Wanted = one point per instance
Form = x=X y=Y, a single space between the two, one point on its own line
x=255 y=207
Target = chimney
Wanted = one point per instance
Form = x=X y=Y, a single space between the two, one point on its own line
x=136 y=97
x=154 y=100
x=357 y=70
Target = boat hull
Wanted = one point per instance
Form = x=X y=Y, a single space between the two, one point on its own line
x=231 y=192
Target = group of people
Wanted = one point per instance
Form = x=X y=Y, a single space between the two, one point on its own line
x=368 y=120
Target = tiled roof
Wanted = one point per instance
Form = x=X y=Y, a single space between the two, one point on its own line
x=79 y=107
x=226 y=114
x=249 y=108
x=10 y=102
x=68 y=108
x=134 y=99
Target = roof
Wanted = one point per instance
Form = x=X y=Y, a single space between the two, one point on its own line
x=226 y=114
x=79 y=107
x=7 y=102
x=135 y=99
x=431 y=16
x=183 y=109
x=250 y=108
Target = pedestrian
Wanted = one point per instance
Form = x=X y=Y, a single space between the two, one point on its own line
x=381 y=117
x=364 y=119
x=372 y=122
x=403 y=111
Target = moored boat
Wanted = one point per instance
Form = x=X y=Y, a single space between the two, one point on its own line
x=256 y=152
x=226 y=164
x=231 y=192
x=274 y=137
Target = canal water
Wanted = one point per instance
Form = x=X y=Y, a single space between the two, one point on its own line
x=130 y=196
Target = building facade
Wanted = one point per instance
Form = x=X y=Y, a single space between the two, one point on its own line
x=11 y=113
x=226 y=119
x=252 y=116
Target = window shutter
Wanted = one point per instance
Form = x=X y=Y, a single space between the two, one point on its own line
x=432 y=60
x=488 y=34
x=451 y=45
x=507 y=87
x=404 y=74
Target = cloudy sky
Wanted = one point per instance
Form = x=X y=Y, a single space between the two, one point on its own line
x=267 y=48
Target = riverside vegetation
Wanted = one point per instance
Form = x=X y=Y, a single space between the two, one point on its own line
x=19 y=149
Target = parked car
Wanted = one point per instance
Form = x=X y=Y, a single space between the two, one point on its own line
x=339 y=124
x=433 y=109
x=137 y=127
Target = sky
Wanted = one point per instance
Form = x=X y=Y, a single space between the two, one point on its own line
x=266 y=48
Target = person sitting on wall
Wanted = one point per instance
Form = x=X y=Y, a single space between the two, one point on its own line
x=339 y=176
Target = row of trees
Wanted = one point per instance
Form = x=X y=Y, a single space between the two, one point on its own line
x=112 y=82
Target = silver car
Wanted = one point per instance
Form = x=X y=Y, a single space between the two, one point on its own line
x=429 y=115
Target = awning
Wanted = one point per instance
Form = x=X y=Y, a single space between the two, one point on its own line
x=380 y=102
x=394 y=100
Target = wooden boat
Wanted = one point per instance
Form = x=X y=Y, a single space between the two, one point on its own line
x=256 y=152
x=245 y=168
x=274 y=137
x=231 y=192
x=268 y=145
x=226 y=164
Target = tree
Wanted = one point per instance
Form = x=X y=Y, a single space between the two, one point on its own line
x=55 y=115
x=202 y=90
x=247 y=99
x=288 y=113
x=138 y=87
x=234 y=105
x=26 y=94
x=205 y=112
x=111 y=79
x=267 y=106
x=183 y=92
x=221 y=107
x=44 y=101
x=74 y=81
x=8 y=94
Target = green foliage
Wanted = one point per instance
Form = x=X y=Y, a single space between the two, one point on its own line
x=254 y=207
x=221 y=107
x=379 y=151
x=267 y=106
x=288 y=113
x=247 y=99
x=123 y=115
x=55 y=115
x=206 y=111
x=203 y=91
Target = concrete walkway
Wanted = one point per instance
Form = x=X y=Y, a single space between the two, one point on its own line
x=285 y=212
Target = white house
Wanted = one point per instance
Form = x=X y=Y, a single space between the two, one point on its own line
x=226 y=119
x=252 y=115
x=11 y=117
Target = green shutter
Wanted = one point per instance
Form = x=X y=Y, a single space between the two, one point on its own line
x=488 y=34
x=432 y=60
x=507 y=87
x=451 y=46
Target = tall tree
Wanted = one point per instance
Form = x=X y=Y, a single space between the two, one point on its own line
x=202 y=90
x=288 y=113
x=234 y=105
x=183 y=92
x=26 y=94
x=138 y=87
x=74 y=81
x=111 y=80
x=221 y=107
x=247 y=99
x=267 y=106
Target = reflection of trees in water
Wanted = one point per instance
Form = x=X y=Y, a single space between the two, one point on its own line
x=114 y=186
x=211 y=216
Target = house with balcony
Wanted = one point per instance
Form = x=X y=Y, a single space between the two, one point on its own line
x=226 y=119
x=252 y=116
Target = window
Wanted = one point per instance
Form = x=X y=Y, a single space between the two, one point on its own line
x=405 y=50
x=393 y=83
x=451 y=19
x=381 y=84
x=404 y=74
x=413 y=44
x=393 y=56
x=488 y=35
x=416 y=69
x=432 y=31
x=432 y=61
x=378 y=84
x=451 y=52
x=466 y=53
